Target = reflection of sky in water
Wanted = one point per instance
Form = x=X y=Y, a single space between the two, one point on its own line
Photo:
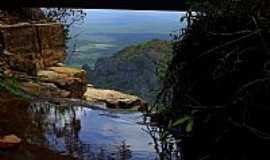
x=102 y=129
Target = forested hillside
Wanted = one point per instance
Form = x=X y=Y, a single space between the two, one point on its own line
x=137 y=69
x=215 y=99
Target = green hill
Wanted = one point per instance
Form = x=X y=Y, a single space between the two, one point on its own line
x=135 y=69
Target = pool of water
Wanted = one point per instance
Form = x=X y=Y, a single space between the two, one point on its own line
x=74 y=132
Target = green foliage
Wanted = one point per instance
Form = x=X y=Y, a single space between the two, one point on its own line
x=182 y=120
x=67 y=17
x=219 y=76
x=12 y=85
x=189 y=2
x=160 y=46
x=189 y=126
x=185 y=122
x=164 y=63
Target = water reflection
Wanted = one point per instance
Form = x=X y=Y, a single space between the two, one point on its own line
x=166 y=146
x=53 y=131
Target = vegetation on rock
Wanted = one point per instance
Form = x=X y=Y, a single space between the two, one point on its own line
x=32 y=45
x=67 y=17
x=12 y=85
x=219 y=77
x=146 y=47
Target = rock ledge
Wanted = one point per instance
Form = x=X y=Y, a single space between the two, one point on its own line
x=113 y=99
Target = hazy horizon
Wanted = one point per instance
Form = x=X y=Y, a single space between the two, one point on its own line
x=104 y=32
x=130 y=21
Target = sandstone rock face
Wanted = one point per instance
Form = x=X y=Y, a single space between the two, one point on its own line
x=66 y=78
x=31 y=47
x=44 y=89
x=9 y=141
x=32 y=53
x=52 y=43
x=113 y=99
x=63 y=82
x=16 y=15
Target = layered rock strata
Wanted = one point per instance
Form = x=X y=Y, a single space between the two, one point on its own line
x=31 y=53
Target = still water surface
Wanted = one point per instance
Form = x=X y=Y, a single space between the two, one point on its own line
x=59 y=132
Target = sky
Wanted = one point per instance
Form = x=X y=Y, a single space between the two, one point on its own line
x=129 y=21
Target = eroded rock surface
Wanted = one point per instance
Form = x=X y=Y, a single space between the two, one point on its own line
x=44 y=89
x=70 y=79
x=112 y=98
x=30 y=47
x=32 y=54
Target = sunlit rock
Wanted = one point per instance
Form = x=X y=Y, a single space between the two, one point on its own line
x=66 y=78
x=113 y=99
x=44 y=89
x=59 y=65
x=32 y=53
x=9 y=141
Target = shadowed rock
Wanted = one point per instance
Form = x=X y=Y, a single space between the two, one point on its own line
x=30 y=47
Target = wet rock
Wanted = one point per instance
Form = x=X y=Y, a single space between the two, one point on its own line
x=113 y=99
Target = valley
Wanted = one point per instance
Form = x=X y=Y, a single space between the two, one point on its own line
x=98 y=42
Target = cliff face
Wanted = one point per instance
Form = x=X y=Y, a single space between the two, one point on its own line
x=31 y=50
x=30 y=53
x=31 y=47
x=133 y=70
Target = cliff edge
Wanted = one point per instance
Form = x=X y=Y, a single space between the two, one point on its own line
x=31 y=52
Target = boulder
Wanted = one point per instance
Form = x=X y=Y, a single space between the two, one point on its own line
x=66 y=78
x=113 y=99
x=9 y=141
